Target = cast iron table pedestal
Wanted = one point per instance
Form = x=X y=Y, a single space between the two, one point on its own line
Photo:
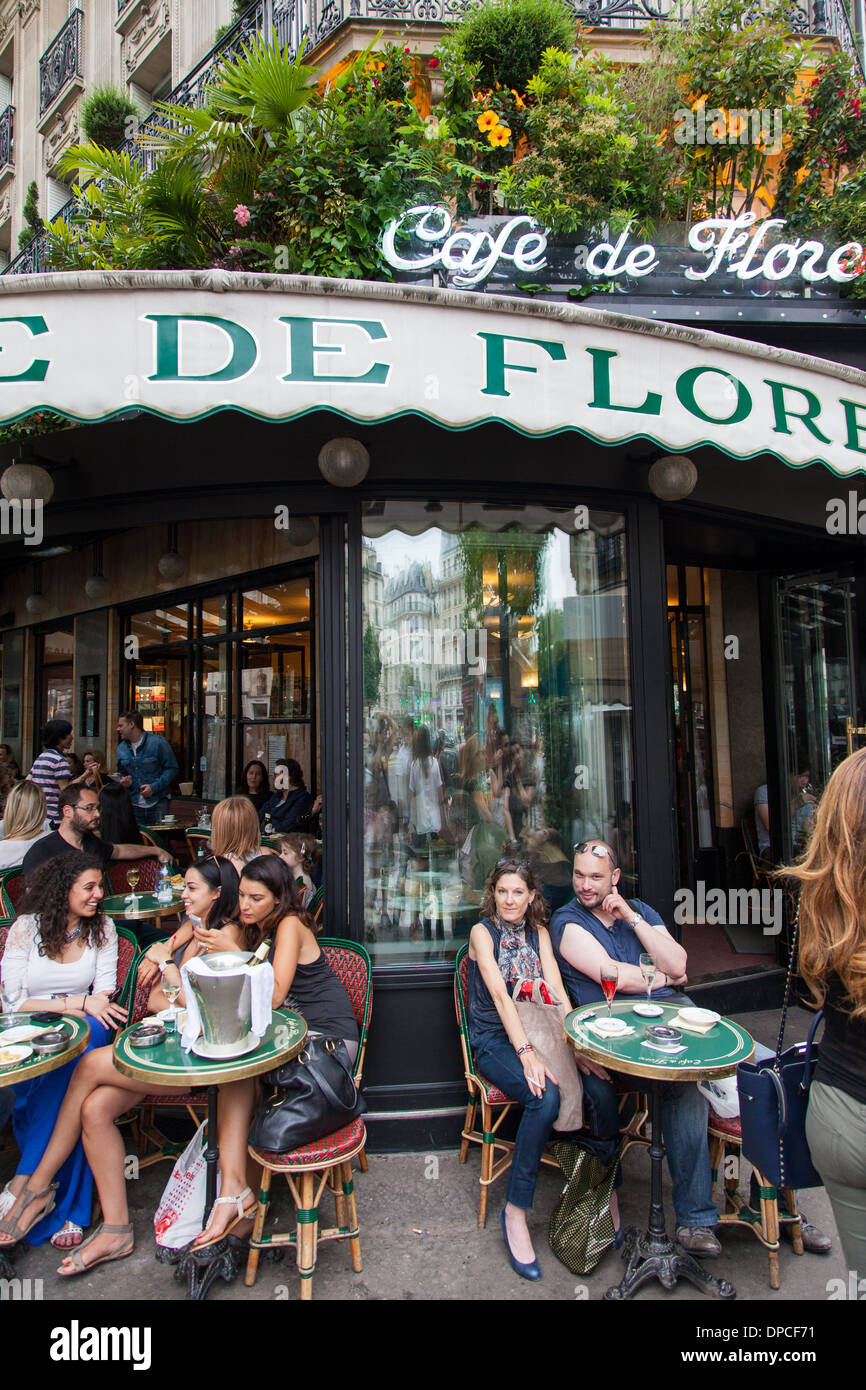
x=651 y=1254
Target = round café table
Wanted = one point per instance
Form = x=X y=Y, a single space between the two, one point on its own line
x=34 y=1065
x=652 y=1254
x=168 y=1064
x=147 y=907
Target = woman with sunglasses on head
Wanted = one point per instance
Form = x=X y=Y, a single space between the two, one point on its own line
x=98 y=1094
x=269 y=909
x=511 y=944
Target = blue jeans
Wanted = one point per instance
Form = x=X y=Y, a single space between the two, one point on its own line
x=684 y=1125
x=499 y=1063
x=151 y=815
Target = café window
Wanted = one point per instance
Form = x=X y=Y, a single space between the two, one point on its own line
x=497 y=709
x=55 y=668
x=230 y=676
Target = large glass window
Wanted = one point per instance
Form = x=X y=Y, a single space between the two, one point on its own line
x=55 y=670
x=497 y=709
x=229 y=676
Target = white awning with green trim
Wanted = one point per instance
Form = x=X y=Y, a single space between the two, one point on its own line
x=184 y=344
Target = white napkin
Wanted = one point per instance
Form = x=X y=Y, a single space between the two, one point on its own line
x=262 y=985
x=689 y=1027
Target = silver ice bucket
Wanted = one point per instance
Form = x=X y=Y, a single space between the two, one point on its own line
x=224 y=1002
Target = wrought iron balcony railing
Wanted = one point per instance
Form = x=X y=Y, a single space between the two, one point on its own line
x=6 y=118
x=309 y=22
x=61 y=61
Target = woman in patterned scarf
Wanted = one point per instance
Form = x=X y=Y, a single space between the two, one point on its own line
x=508 y=945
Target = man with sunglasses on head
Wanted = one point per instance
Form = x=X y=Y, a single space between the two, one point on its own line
x=598 y=928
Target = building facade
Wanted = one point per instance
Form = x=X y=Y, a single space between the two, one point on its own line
x=589 y=653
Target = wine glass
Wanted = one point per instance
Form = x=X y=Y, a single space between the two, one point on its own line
x=648 y=970
x=10 y=997
x=132 y=877
x=609 y=978
x=171 y=992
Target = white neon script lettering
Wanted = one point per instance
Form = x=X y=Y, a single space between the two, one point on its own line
x=776 y=264
x=471 y=255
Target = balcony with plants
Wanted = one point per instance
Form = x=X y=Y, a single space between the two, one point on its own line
x=274 y=166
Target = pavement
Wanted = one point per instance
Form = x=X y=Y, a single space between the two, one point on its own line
x=420 y=1239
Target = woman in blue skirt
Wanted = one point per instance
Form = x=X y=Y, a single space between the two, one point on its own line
x=61 y=954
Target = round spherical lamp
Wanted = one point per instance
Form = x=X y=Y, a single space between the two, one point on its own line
x=97 y=586
x=673 y=477
x=27 y=482
x=344 y=462
x=36 y=605
x=300 y=530
x=171 y=565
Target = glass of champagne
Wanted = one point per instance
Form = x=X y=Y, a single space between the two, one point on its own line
x=609 y=979
x=132 y=877
x=171 y=991
x=648 y=970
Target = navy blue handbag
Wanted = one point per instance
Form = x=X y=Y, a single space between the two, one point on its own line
x=774 y=1096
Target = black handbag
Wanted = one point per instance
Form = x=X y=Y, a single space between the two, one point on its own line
x=307 y=1099
x=774 y=1096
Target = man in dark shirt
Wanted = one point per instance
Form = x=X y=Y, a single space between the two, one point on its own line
x=78 y=808
x=598 y=928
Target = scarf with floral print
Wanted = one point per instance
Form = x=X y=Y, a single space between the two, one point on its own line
x=517 y=959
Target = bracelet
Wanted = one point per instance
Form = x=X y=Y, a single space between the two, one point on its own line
x=527 y=1047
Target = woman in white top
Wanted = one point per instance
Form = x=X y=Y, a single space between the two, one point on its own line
x=425 y=787
x=61 y=954
x=23 y=823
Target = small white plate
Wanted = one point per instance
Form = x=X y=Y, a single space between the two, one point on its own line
x=611 y=1025
x=14 y=1055
x=221 y=1053
x=700 y=1016
x=648 y=1010
x=22 y=1033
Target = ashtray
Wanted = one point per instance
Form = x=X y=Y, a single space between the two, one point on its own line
x=660 y=1036
x=148 y=1035
x=47 y=1016
x=51 y=1042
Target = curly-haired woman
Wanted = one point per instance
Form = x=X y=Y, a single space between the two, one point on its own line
x=60 y=947
x=832 y=877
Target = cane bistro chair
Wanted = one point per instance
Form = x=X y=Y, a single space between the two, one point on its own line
x=726 y=1141
x=11 y=892
x=316 y=905
x=326 y=1161
x=490 y=1098
x=116 y=870
x=197 y=840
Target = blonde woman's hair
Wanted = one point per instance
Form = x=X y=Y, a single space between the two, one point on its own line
x=235 y=828
x=832 y=877
x=25 y=812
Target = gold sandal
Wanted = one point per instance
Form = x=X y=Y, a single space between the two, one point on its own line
x=244 y=1214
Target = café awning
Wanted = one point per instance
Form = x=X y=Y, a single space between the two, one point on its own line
x=183 y=345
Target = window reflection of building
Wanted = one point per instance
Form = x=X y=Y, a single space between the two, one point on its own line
x=509 y=645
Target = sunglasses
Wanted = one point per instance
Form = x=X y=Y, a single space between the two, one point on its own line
x=522 y=863
x=599 y=851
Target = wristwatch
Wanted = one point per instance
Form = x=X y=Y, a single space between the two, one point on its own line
x=64 y=995
x=163 y=966
x=634 y=921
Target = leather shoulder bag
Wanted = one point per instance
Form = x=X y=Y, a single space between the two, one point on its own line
x=307 y=1098
x=774 y=1096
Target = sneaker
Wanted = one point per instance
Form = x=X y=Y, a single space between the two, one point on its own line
x=814 y=1240
x=698 y=1240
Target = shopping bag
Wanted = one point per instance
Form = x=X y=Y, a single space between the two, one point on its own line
x=542 y=1018
x=581 y=1226
x=180 y=1213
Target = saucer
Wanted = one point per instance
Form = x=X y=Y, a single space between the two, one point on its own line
x=222 y=1052
x=611 y=1026
x=648 y=1010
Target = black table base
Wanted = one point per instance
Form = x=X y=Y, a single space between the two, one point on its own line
x=652 y=1254
x=200 y=1269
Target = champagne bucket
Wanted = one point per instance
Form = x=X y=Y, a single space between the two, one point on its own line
x=225 y=1002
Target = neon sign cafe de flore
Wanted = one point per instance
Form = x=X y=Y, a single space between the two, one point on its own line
x=582 y=523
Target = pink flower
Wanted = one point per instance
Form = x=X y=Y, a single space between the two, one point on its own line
x=242 y=215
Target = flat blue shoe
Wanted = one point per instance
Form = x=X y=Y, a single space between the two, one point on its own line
x=528 y=1271
x=619 y=1239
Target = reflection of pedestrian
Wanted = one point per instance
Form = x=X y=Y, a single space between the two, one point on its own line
x=425 y=787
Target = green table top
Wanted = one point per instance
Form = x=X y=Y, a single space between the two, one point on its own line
x=148 y=905
x=714 y=1054
x=79 y=1032
x=168 y=1065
